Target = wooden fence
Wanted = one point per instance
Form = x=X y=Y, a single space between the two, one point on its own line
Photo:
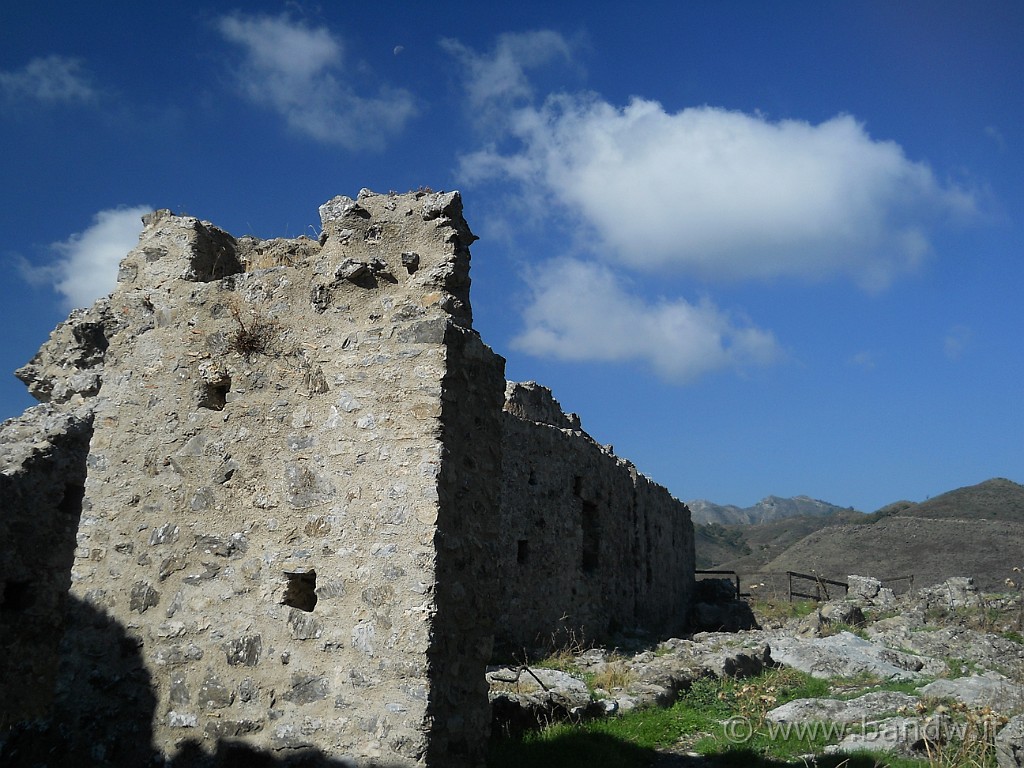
x=794 y=585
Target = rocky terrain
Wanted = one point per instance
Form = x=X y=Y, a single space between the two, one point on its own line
x=901 y=672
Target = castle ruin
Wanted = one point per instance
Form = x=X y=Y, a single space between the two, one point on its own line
x=279 y=499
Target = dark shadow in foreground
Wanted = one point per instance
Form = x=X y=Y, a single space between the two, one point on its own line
x=597 y=750
x=103 y=712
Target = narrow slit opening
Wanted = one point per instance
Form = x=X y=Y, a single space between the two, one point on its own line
x=522 y=551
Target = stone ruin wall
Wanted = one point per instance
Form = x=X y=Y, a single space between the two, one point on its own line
x=590 y=548
x=304 y=503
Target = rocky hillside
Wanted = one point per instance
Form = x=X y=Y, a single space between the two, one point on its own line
x=977 y=531
x=995 y=499
x=929 y=549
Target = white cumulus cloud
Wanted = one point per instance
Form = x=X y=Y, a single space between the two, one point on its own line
x=300 y=72
x=49 y=79
x=87 y=263
x=726 y=195
x=652 y=194
x=585 y=311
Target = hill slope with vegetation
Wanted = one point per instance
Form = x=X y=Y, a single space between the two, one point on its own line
x=974 y=531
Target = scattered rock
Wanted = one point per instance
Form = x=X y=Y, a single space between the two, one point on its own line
x=988 y=690
x=867 y=708
x=1010 y=744
x=899 y=735
x=846 y=655
x=526 y=697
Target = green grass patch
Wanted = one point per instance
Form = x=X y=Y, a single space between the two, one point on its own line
x=768 y=611
x=703 y=720
x=1016 y=637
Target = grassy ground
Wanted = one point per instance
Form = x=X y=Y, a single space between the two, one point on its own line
x=723 y=720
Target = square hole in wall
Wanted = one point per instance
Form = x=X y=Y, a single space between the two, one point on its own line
x=301 y=590
x=214 y=394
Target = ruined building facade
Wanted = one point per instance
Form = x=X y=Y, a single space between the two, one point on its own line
x=280 y=498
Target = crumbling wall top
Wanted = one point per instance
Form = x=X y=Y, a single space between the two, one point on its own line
x=530 y=401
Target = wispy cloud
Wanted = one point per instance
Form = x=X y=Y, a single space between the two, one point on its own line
x=996 y=136
x=50 y=80
x=500 y=75
x=86 y=265
x=864 y=360
x=583 y=311
x=300 y=72
x=957 y=341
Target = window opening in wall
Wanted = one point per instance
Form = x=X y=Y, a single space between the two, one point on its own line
x=301 y=590
x=577 y=485
x=411 y=261
x=18 y=596
x=522 y=551
x=591 y=537
x=214 y=395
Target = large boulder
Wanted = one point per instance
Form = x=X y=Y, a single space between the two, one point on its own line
x=846 y=655
x=954 y=593
x=867 y=708
x=988 y=690
x=868 y=591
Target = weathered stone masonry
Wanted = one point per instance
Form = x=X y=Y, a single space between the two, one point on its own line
x=310 y=506
x=590 y=547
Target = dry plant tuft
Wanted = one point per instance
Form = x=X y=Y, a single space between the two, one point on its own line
x=253 y=335
x=614 y=674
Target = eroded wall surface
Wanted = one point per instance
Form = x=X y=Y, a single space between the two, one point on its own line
x=590 y=548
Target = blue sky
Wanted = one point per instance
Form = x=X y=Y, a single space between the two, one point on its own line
x=759 y=248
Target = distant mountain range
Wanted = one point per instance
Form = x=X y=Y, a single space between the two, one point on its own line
x=974 y=531
x=767 y=509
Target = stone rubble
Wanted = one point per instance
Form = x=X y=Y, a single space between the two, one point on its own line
x=898 y=648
